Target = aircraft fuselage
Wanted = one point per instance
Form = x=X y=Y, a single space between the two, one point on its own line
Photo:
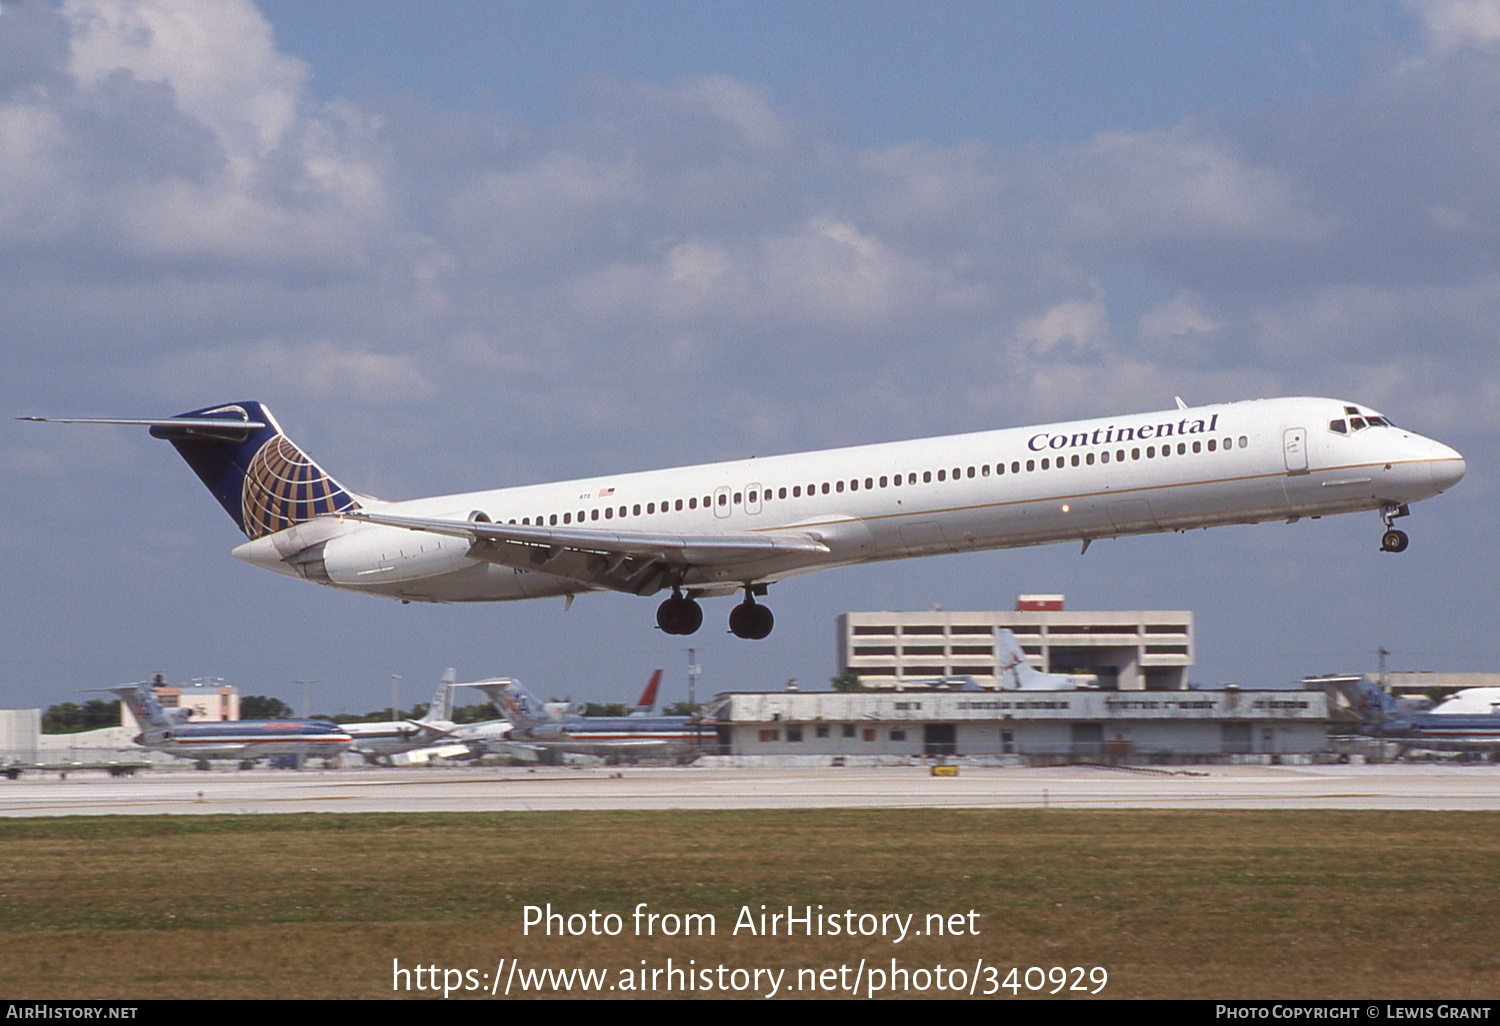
x=1245 y=462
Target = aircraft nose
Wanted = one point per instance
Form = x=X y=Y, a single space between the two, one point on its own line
x=1447 y=467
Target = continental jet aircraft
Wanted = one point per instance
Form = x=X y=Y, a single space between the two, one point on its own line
x=739 y=526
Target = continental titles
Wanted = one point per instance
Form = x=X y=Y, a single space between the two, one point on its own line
x=1113 y=435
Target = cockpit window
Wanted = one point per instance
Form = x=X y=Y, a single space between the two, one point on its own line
x=1357 y=423
x=1353 y=411
x=1337 y=426
x=1379 y=422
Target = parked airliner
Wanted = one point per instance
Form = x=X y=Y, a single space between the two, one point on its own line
x=738 y=526
x=378 y=741
x=561 y=727
x=168 y=730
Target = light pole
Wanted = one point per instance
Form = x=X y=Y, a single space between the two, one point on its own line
x=693 y=670
x=302 y=745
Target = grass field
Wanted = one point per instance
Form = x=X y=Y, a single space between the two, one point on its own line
x=1186 y=904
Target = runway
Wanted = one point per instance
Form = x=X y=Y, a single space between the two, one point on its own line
x=259 y=792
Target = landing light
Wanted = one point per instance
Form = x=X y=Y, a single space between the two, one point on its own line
x=1066 y=508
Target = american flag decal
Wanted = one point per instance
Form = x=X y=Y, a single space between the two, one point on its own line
x=605 y=493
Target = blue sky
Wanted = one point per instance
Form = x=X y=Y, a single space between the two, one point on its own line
x=880 y=72
x=463 y=245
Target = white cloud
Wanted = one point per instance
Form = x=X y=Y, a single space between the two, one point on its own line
x=1074 y=323
x=175 y=132
x=695 y=238
x=319 y=370
x=1453 y=24
x=1184 y=182
x=219 y=59
x=1177 y=317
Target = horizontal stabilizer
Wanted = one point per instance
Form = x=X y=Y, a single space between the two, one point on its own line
x=164 y=422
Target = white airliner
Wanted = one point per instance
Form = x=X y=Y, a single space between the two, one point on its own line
x=247 y=741
x=378 y=741
x=738 y=526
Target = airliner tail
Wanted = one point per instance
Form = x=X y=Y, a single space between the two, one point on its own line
x=261 y=478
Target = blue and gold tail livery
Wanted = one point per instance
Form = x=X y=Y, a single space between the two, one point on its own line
x=258 y=475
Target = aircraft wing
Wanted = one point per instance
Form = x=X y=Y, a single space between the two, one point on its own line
x=638 y=562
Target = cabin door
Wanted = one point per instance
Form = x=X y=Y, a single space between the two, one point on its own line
x=1294 y=448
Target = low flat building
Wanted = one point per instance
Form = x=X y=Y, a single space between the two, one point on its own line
x=1126 y=650
x=1022 y=723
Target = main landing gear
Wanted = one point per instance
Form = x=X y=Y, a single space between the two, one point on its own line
x=679 y=614
x=682 y=615
x=1393 y=540
x=749 y=620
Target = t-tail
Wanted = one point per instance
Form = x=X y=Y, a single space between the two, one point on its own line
x=529 y=715
x=147 y=709
x=261 y=478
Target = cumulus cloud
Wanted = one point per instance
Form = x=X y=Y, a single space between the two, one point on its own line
x=692 y=269
x=696 y=238
x=1454 y=24
x=316 y=371
x=1177 y=317
x=176 y=134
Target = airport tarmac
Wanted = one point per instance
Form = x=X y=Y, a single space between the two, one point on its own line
x=1428 y=786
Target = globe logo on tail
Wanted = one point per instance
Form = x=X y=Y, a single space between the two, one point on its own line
x=283 y=487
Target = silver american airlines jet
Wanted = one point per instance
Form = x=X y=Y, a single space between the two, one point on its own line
x=738 y=526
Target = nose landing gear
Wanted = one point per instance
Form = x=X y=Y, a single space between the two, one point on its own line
x=1393 y=540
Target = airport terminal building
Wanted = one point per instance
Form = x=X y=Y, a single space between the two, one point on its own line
x=1048 y=725
x=931 y=685
x=1125 y=650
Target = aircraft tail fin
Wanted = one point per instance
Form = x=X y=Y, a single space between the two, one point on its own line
x=1016 y=671
x=647 y=703
x=528 y=714
x=441 y=706
x=260 y=477
x=520 y=706
x=147 y=709
x=493 y=690
x=263 y=481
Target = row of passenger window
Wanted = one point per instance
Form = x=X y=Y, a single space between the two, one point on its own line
x=756 y=496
